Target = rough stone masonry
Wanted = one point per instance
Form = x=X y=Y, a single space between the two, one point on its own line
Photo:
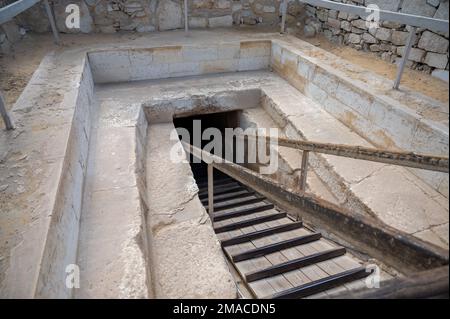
x=429 y=54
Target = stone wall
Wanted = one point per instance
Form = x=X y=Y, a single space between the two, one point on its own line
x=429 y=54
x=152 y=15
x=109 y=16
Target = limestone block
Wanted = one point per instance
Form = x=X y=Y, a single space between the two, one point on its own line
x=368 y=38
x=430 y=41
x=440 y=74
x=198 y=22
x=389 y=5
x=199 y=53
x=170 y=15
x=383 y=34
x=418 y=7
x=436 y=60
x=354 y=38
x=415 y=54
x=399 y=37
x=221 y=22
x=442 y=11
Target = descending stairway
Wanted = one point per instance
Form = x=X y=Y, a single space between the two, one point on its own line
x=276 y=256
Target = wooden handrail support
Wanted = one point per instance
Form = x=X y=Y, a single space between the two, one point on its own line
x=408 y=159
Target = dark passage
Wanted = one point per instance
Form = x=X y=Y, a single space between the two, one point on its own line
x=217 y=120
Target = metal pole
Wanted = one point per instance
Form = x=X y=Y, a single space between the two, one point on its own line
x=304 y=170
x=186 y=19
x=6 y=118
x=51 y=19
x=283 y=15
x=401 y=67
x=210 y=191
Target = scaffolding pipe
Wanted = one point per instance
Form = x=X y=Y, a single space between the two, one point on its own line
x=186 y=19
x=284 y=6
x=6 y=118
x=401 y=66
x=51 y=19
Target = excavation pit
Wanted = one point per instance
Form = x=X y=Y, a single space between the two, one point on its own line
x=95 y=153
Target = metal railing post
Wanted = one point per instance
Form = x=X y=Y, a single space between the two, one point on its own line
x=304 y=170
x=6 y=118
x=284 y=7
x=210 y=191
x=52 y=21
x=186 y=18
x=401 y=67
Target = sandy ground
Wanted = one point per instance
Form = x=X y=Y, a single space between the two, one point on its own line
x=17 y=68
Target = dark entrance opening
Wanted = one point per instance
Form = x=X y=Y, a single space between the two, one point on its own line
x=220 y=121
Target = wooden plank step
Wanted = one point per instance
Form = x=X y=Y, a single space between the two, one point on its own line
x=261 y=233
x=295 y=264
x=242 y=212
x=229 y=196
x=237 y=203
x=218 y=187
x=250 y=222
x=264 y=250
x=220 y=181
x=322 y=284
x=230 y=189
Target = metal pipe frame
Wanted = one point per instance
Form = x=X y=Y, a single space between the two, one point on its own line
x=186 y=17
x=284 y=7
x=401 y=67
x=51 y=19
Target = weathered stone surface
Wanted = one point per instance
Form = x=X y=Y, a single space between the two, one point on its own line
x=432 y=42
x=221 y=22
x=309 y=31
x=442 y=11
x=418 y=7
x=368 y=38
x=390 y=5
x=170 y=15
x=383 y=34
x=399 y=37
x=360 y=24
x=440 y=74
x=198 y=22
x=436 y=60
x=415 y=54
x=11 y=31
x=354 y=38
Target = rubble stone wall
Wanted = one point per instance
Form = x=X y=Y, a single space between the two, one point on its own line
x=429 y=53
x=109 y=16
x=152 y=15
